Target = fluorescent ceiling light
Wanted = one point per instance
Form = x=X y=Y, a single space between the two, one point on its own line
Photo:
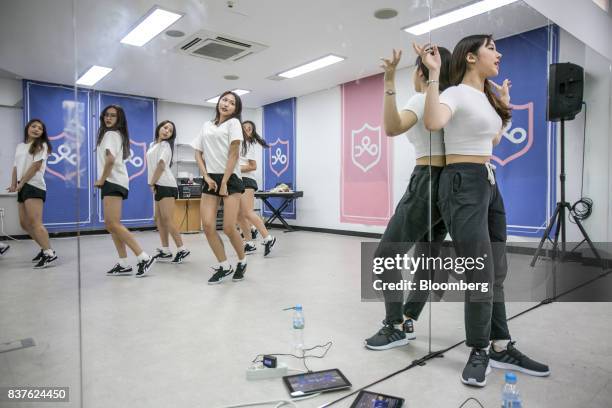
x=238 y=92
x=457 y=15
x=93 y=75
x=154 y=22
x=311 y=66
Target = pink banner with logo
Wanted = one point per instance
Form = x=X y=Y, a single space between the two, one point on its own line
x=365 y=185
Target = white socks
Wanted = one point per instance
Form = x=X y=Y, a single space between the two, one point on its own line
x=242 y=261
x=49 y=252
x=123 y=262
x=142 y=257
x=166 y=250
x=181 y=248
x=500 y=345
x=268 y=238
x=225 y=265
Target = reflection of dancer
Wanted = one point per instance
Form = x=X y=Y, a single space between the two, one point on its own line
x=247 y=215
x=410 y=223
x=217 y=151
x=162 y=182
x=28 y=181
x=473 y=117
x=113 y=147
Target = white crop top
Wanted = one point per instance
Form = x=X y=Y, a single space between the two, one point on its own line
x=419 y=135
x=474 y=123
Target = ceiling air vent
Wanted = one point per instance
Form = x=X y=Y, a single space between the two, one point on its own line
x=218 y=47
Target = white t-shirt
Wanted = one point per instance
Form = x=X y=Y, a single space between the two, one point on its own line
x=419 y=135
x=214 y=142
x=156 y=153
x=244 y=160
x=474 y=123
x=23 y=161
x=113 y=142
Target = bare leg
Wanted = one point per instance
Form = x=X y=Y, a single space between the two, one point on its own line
x=245 y=226
x=34 y=211
x=231 y=205
x=208 y=211
x=23 y=220
x=166 y=211
x=246 y=203
x=112 y=220
x=161 y=228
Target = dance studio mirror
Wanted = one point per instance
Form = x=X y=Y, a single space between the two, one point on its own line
x=350 y=143
x=534 y=40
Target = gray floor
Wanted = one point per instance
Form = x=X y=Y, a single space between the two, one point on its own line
x=171 y=340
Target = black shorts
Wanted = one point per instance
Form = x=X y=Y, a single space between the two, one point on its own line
x=28 y=191
x=234 y=184
x=165 y=192
x=249 y=183
x=114 y=190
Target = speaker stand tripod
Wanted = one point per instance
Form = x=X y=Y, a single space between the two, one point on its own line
x=558 y=219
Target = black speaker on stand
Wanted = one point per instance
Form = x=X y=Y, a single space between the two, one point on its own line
x=565 y=88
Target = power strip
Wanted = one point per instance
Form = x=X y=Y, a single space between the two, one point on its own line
x=261 y=372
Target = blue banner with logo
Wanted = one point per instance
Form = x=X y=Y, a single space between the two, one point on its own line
x=65 y=115
x=525 y=157
x=140 y=112
x=279 y=159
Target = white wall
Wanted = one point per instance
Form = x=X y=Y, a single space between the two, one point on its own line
x=318 y=127
x=11 y=133
x=597 y=172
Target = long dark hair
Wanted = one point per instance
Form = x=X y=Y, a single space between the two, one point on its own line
x=169 y=140
x=445 y=57
x=471 y=44
x=254 y=138
x=120 y=126
x=237 y=113
x=37 y=143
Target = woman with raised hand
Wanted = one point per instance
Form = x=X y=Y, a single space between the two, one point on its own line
x=411 y=223
x=473 y=112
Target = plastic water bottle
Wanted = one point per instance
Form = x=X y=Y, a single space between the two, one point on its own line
x=298 y=330
x=510 y=394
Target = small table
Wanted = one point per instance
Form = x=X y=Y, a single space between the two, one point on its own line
x=277 y=212
x=187 y=215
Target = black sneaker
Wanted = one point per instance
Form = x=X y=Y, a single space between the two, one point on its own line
x=4 y=249
x=118 y=270
x=144 y=266
x=180 y=256
x=512 y=359
x=408 y=327
x=477 y=368
x=268 y=245
x=249 y=249
x=163 y=256
x=219 y=275
x=240 y=270
x=38 y=256
x=46 y=261
x=388 y=337
x=254 y=233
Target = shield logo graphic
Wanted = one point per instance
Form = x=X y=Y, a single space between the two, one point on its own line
x=366 y=147
x=62 y=162
x=278 y=158
x=519 y=133
x=136 y=163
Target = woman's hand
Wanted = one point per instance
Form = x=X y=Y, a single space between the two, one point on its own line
x=429 y=55
x=223 y=189
x=152 y=187
x=390 y=65
x=212 y=185
x=12 y=188
x=98 y=184
x=503 y=90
